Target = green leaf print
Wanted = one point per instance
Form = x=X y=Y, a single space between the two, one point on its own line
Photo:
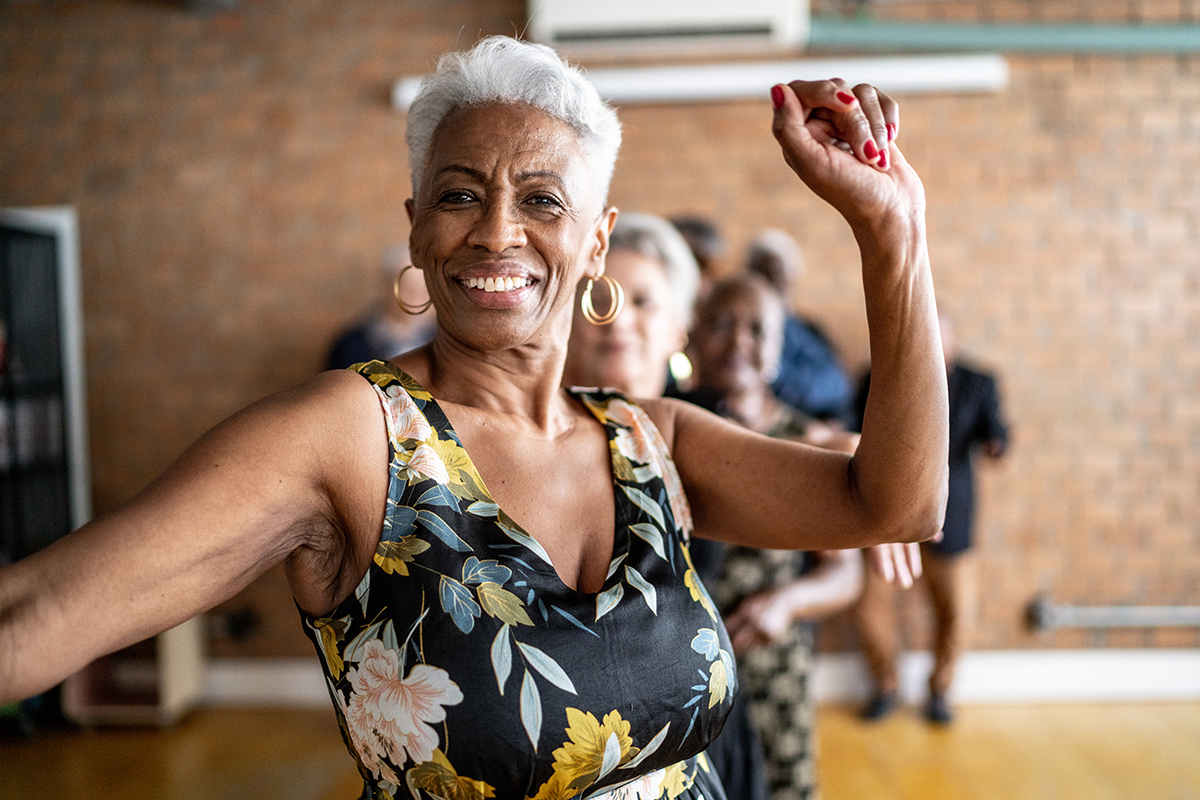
x=649 y=749
x=547 y=666
x=614 y=565
x=438 y=495
x=438 y=527
x=612 y=755
x=482 y=509
x=531 y=710
x=459 y=603
x=606 y=601
x=643 y=501
x=502 y=604
x=642 y=585
x=518 y=535
x=651 y=536
x=707 y=643
x=502 y=656
x=476 y=571
x=355 y=650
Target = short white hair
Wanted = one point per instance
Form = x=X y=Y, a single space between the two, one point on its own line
x=500 y=69
x=656 y=238
x=777 y=256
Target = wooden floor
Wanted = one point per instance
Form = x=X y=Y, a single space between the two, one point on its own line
x=1058 y=752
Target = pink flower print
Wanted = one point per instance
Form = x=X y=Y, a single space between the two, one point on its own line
x=425 y=463
x=647 y=787
x=390 y=718
x=404 y=420
x=642 y=442
x=632 y=441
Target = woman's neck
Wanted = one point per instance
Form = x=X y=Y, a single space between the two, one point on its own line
x=520 y=384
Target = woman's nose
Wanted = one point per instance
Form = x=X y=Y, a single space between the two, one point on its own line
x=496 y=230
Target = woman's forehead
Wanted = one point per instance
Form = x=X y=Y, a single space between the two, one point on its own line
x=515 y=138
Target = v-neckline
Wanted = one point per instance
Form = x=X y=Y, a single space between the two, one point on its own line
x=621 y=516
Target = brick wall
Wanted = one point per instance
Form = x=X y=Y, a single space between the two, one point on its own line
x=238 y=177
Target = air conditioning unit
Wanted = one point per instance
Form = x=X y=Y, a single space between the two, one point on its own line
x=651 y=26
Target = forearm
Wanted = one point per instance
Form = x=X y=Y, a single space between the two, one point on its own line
x=39 y=644
x=899 y=468
x=832 y=586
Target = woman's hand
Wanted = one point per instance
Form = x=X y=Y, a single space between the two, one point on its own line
x=760 y=619
x=841 y=142
x=896 y=562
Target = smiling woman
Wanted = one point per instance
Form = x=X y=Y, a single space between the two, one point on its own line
x=495 y=571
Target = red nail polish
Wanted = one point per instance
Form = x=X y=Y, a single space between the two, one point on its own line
x=777 y=96
x=891 y=129
x=883 y=160
x=846 y=97
x=871 y=150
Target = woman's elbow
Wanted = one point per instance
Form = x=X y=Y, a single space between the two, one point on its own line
x=918 y=520
x=929 y=516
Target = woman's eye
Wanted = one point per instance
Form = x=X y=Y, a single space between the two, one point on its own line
x=545 y=201
x=642 y=301
x=455 y=197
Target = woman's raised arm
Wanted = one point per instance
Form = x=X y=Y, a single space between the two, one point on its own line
x=290 y=477
x=753 y=490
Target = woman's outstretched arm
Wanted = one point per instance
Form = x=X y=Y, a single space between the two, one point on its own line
x=267 y=485
x=753 y=490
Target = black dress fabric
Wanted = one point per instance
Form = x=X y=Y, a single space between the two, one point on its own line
x=462 y=666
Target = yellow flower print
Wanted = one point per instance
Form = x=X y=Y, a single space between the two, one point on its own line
x=393 y=557
x=332 y=631
x=440 y=779
x=691 y=579
x=461 y=476
x=595 y=749
x=718 y=682
x=676 y=780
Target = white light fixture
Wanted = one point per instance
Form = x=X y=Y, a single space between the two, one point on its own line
x=738 y=81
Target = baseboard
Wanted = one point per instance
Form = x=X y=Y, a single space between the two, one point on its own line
x=998 y=676
x=296 y=682
x=1028 y=676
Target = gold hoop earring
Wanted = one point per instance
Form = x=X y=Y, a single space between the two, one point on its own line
x=589 y=310
x=405 y=307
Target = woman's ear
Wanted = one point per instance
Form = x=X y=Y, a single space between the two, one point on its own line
x=604 y=226
x=409 y=208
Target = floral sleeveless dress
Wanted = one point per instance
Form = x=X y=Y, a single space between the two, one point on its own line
x=462 y=667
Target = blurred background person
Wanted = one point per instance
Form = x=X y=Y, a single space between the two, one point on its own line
x=769 y=598
x=387 y=329
x=950 y=571
x=810 y=375
x=633 y=353
x=707 y=245
x=651 y=259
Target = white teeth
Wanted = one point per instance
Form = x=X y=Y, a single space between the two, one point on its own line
x=497 y=284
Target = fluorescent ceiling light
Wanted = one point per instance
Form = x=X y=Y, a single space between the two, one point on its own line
x=738 y=81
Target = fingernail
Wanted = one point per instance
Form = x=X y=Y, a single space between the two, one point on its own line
x=846 y=97
x=883 y=160
x=891 y=129
x=777 y=96
x=871 y=150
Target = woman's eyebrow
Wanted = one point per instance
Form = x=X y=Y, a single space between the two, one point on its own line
x=541 y=173
x=459 y=168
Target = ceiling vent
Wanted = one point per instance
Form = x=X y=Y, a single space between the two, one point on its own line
x=647 y=27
